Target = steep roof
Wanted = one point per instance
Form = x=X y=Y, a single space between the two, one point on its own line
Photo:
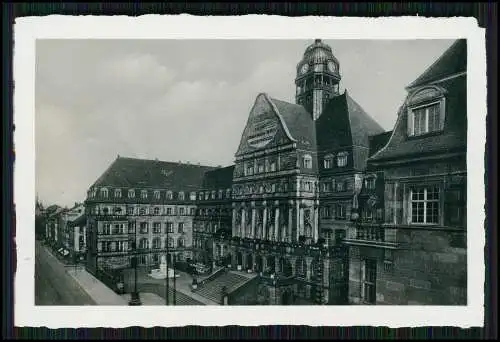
x=298 y=121
x=452 y=61
x=344 y=123
x=143 y=173
x=378 y=141
x=219 y=179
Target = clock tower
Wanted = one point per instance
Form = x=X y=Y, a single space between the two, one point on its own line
x=317 y=78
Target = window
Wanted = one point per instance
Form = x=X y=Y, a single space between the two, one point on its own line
x=156 y=211
x=181 y=227
x=207 y=195
x=260 y=167
x=169 y=242
x=157 y=195
x=180 y=242
x=221 y=193
x=424 y=119
x=368 y=214
x=192 y=196
x=228 y=193
x=142 y=211
x=118 y=210
x=340 y=235
x=106 y=229
x=105 y=210
x=191 y=211
x=327 y=187
x=307 y=162
x=249 y=169
x=424 y=203
x=369 y=276
x=213 y=195
x=328 y=162
x=308 y=186
x=130 y=210
x=143 y=243
x=325 y=212
x=342 y=159
x=370 y=183
x=272 y=165
x=340 y=212
x=156 y=227
x=169 y=227
x=340 y=186
x=169 y=211
x=181 y=196
x=131 y=193
x=118 y=193
x=200 y=196
x=118 y=228
x=143 y=228
x=169 y=195
x=104 y=193
x=181 y=211
x=156 y=243
x=144 y=194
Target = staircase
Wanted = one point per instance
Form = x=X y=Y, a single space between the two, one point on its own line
x=181 y=299
x=213 y=288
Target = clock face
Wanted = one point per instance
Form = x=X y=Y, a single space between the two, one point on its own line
x=304 y=68
x=332 y=67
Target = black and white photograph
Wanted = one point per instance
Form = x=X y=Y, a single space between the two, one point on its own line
x=285 y=173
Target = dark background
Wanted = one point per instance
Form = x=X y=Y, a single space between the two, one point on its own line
x=485 y=13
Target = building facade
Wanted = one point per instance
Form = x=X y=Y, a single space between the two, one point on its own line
x=409 y=242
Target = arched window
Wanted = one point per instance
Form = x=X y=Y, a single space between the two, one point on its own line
x=156 y=211
x=118 y=193
x=104 y=193
x=169 y=195
x=157 y=195
x=328 y=161
x=307 y=161
x=342 y=159
x=144 y=194
x=181 y=196
x=131 y=193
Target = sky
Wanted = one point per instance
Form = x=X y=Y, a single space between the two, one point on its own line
x=185 y=100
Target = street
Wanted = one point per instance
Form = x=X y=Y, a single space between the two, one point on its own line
x=53 y=286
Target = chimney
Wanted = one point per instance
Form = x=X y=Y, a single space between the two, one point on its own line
x=317 y=40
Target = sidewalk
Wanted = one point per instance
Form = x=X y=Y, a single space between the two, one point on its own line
x=99 y=292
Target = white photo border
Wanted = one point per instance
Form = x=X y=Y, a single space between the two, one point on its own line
x=28 y=29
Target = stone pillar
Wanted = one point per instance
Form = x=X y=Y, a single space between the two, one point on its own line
x=233 y=228
x=252 y=235
x=297 y=220
x=316 y=222
x=276 y=222
x=76 y=239
x=243 y=222
x=264 y=222
x=289 y=237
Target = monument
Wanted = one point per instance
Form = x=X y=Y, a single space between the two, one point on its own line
x=161 y=273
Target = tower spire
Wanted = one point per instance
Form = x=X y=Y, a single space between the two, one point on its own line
x=317 y=78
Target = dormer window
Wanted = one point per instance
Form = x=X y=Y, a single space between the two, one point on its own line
x=192 y=196
x=104 y=193
x=169 y=195
x=118 y=193
x=228 y=193
x=144 y=194
x=213 y=195
x=220 y=194
x=131 y=193
x=181 y=196
x=342 y=159
x=157 y=195
x=307 y=161
x=426 y=111
x=328 y=161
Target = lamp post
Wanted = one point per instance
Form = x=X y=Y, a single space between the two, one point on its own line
x=134 y=298
x=167 y=277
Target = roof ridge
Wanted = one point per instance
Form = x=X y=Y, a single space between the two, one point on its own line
x=167 y=161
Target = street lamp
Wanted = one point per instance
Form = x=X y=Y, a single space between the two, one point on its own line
x=134 y=298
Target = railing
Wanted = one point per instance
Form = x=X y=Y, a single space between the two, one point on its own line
x=213 y=275
x=374 y=234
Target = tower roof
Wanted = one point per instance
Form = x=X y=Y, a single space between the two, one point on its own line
x=318 y=52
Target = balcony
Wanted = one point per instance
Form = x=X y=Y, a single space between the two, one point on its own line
x=372 y=235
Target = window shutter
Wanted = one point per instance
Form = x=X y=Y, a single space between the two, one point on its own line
x=410 y=122
x=442 y=113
